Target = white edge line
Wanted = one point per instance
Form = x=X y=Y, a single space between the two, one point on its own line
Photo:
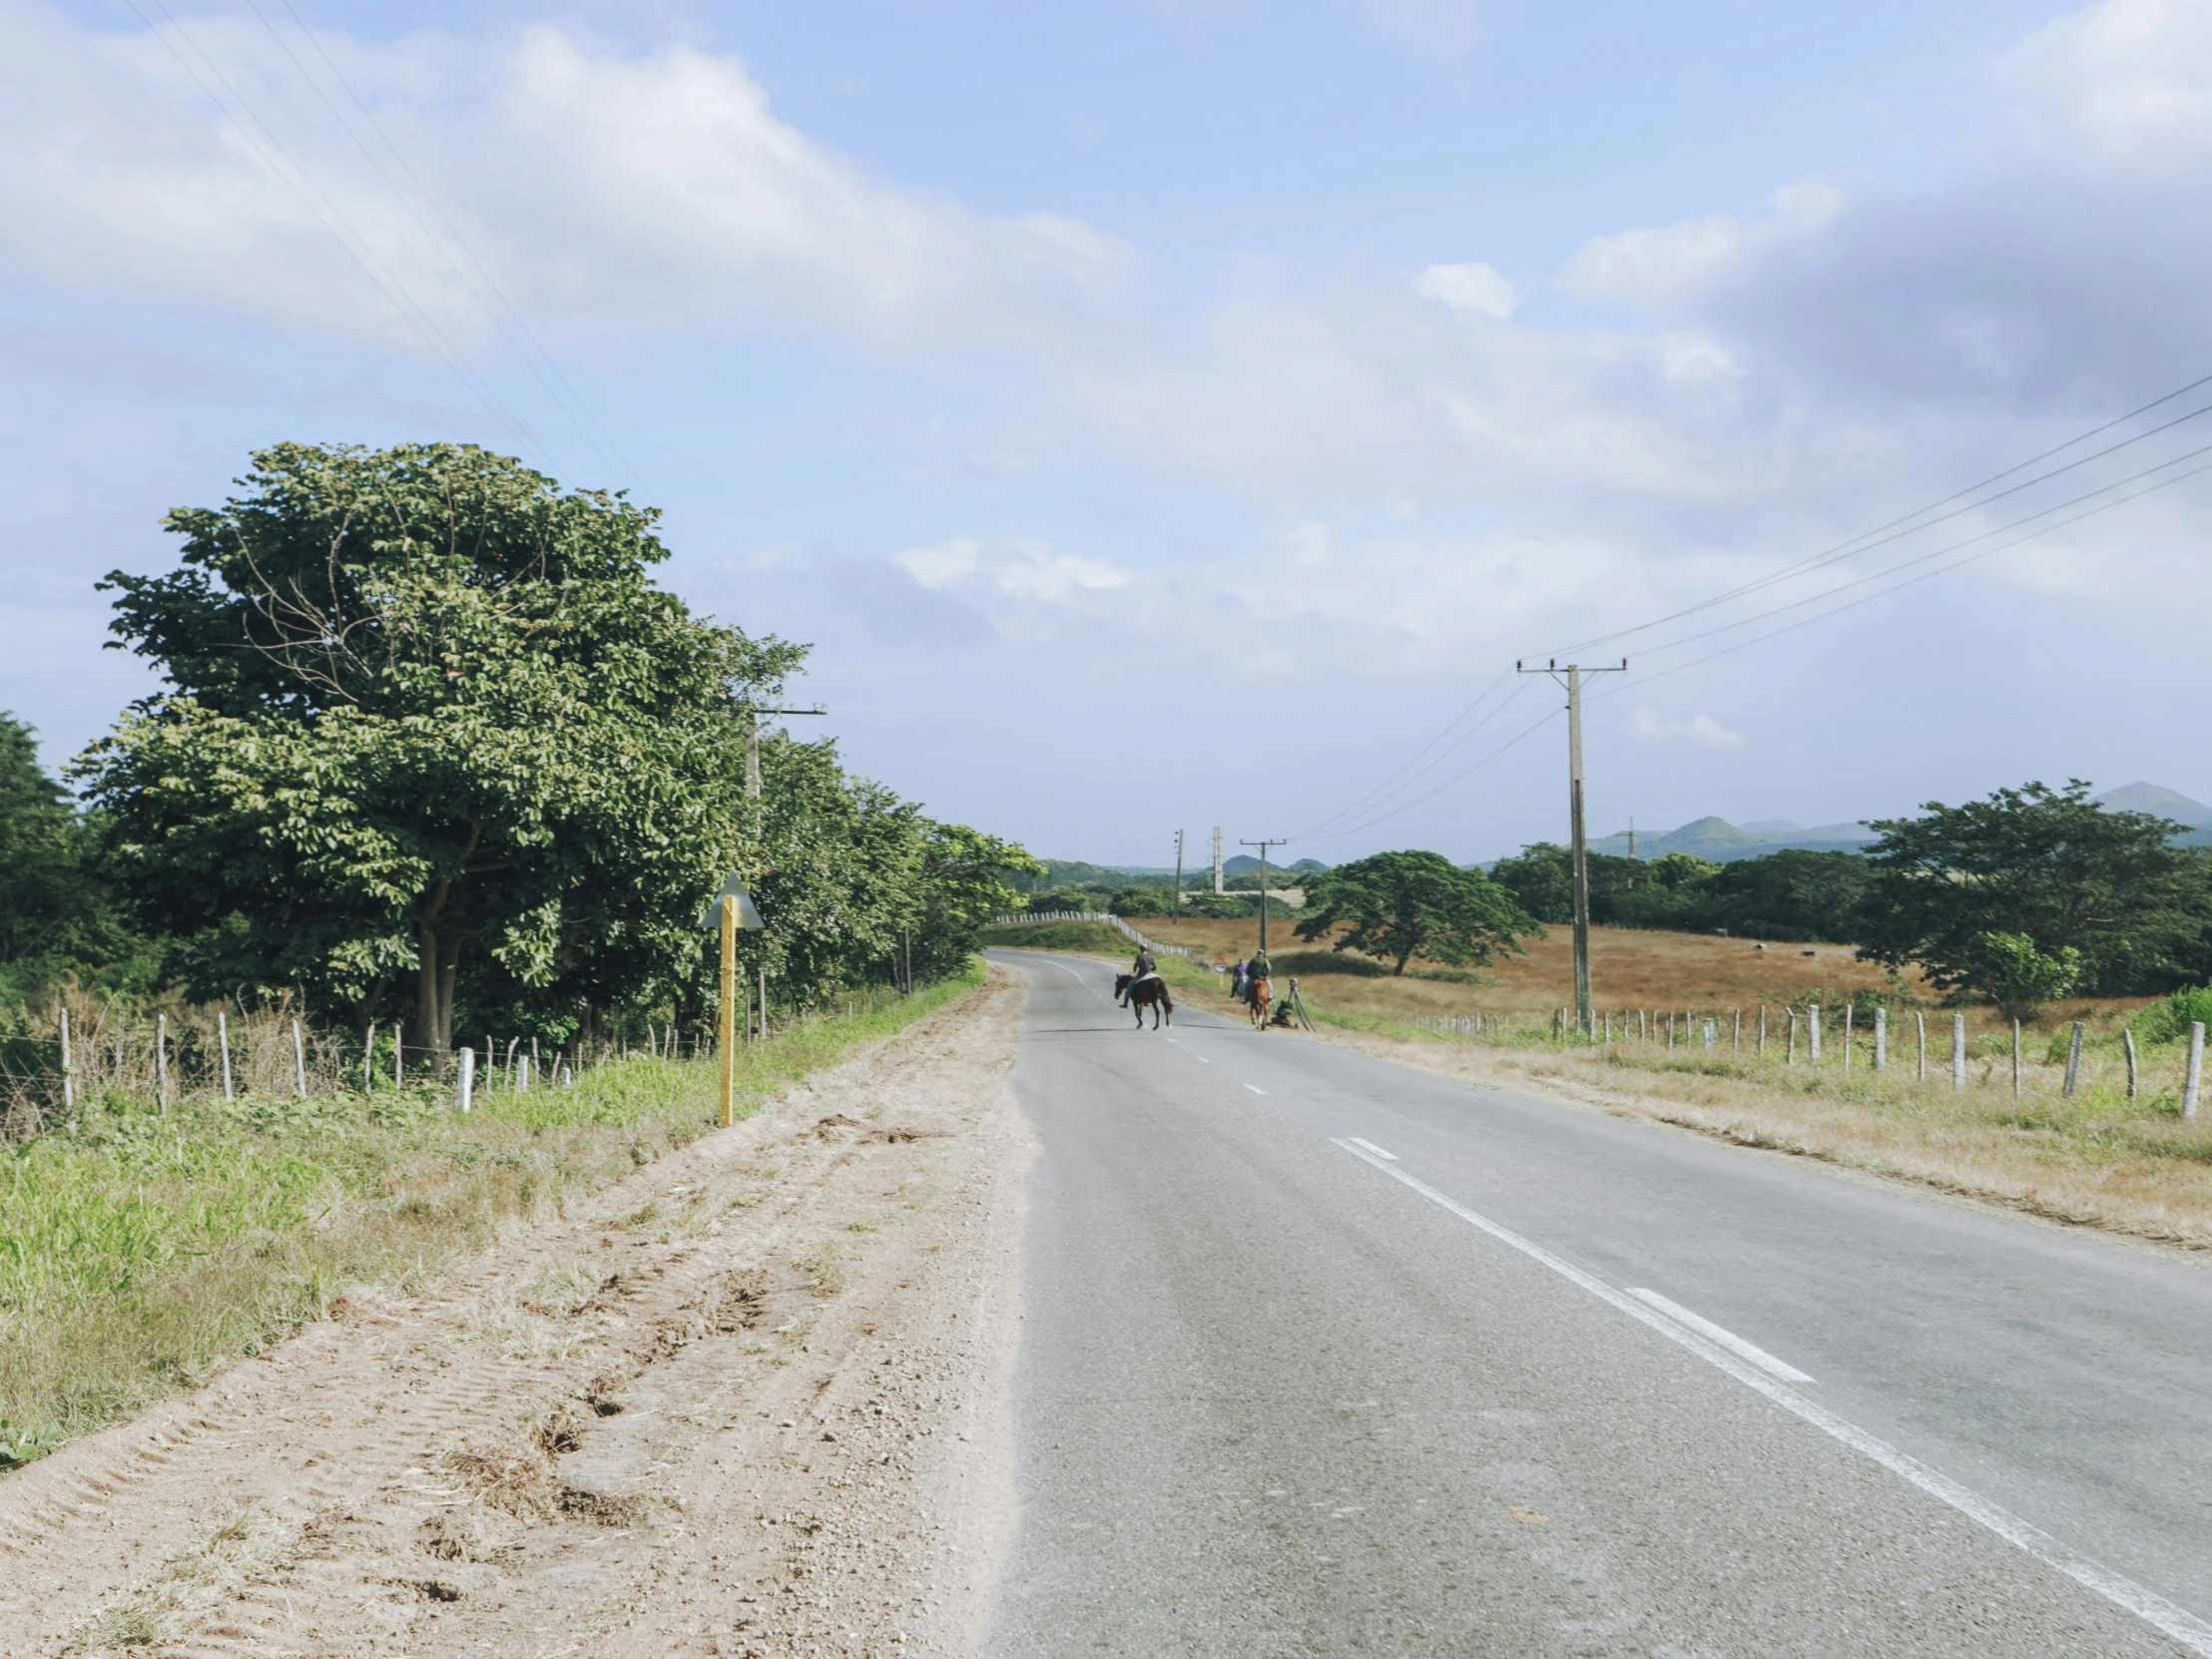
x=1725 y=1338
x=1371 y=1147
x=1255 y=1088
x=2152 y=1608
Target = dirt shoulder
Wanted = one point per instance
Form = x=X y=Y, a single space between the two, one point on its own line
x=754 y=1400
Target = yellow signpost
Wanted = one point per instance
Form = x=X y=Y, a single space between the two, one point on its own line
x=727 y=1041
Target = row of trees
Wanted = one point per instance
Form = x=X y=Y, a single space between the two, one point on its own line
x=434 y=739
x=2028 y=895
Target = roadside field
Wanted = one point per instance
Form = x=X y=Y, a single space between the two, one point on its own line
x=140 y=1250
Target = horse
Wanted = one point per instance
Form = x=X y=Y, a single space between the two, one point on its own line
x=1149 y=992
x=1259 y=994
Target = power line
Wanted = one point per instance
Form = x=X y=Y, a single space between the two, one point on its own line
x=303 y=185
x=1389 y=785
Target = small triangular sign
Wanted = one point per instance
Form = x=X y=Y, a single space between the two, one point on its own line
x=748 y=913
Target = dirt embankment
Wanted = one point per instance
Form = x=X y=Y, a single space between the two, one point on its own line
x=752 y=1402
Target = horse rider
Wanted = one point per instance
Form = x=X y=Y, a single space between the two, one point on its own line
x=1140 y=969
x=1257 y=972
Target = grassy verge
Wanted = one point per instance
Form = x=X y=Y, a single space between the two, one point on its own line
x=138 y=1251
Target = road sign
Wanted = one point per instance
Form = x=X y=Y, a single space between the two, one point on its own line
x=748 y=913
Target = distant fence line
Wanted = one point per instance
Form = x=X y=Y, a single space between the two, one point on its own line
x=1023 y=917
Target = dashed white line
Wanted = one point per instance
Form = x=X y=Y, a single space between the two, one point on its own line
x=1727 y=1338
x=1371 y=1147
x=1255 y=1088
x=2152 y=1608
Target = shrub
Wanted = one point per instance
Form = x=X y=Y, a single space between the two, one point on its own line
x=2169 y=1021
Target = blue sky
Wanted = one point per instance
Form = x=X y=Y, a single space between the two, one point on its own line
x=1174 y=414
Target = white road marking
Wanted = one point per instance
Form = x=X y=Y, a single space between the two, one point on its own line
x=1727 y=1338
x=1202 y=1060
x=1371 y=1147
x=2152 y=1608
x=1255 y=1088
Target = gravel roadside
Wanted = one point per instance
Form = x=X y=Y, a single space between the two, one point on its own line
x=753 y=1402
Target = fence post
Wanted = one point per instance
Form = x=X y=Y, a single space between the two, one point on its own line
x=1881 y=1040
x=223 y=1041
x=298 y=1061
x=1762 y=1030
x=2016 y=1058
x=161 y=1060
x=468 y=1081
x=1958 y=1053
x=1850 y=1009
x=399 y=1053
x=1813 y=1035
x=69 y=1079
x=1791 y=1058
x=2073 y=1058
x=2195 y=1074
x=2127 y=1039
x=1920 y=1024
x=1737 y=1043
x=1708 y=1036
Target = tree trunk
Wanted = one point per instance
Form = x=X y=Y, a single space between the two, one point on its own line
x=450 y=962
x=427 y=1025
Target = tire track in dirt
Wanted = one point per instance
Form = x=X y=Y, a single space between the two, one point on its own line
x=751 y=1400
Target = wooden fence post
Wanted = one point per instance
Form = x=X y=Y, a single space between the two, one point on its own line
x=298 y=1061
x=223 y=1041
x=2194 y=1076
x=2127 y=1039
x=2073 y=1058
x=1958 y=1053
x=1791 y=1058
x=1881 y=1040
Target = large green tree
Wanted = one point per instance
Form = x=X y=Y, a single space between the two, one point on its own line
x=2048 y=870
x=426 y=709
x=56 y=913
x=1400 y=906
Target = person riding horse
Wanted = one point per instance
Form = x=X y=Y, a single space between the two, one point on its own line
x=1144 y=967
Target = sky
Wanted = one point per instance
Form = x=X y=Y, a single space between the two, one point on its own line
x=1185 y=413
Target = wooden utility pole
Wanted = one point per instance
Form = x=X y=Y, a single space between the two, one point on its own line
x=1175 y=904
x=1263 y=846
x=1580 y=848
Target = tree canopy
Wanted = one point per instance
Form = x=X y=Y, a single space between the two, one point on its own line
x=1985 y=894
x=1406 y=904
x=431 y=722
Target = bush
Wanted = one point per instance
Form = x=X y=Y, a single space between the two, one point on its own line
x=2169 y=1021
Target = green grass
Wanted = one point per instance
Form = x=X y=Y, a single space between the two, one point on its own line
x=138 y=1250
x=1094 y=937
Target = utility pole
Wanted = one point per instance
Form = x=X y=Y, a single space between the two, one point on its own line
x=1175 y=905
x=1584 y=1017
x=1263 y=846
x=1217 y=858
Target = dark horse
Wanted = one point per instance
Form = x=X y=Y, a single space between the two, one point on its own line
x=1149 y=992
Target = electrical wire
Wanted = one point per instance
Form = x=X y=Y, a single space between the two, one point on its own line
x=1389 y=785
x=1458 y=777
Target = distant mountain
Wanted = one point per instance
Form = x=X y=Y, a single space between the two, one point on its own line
x=1244 y=863
x=2159 y=803
x=1721 y=842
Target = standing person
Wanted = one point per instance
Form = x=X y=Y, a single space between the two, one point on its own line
x=1237 y=987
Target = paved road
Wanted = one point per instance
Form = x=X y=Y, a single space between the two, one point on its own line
x=1321 y=1356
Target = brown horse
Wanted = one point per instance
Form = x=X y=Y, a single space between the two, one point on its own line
x=1149 y=992
x=1258 y=994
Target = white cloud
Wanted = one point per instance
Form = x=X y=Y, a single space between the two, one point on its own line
x=1022 y=572
x=1704 y=729
x=1447 y=28
x=653 y=192
x=2120 y=80
x=945 y=565
x=1474 y=288
x=1680 y=263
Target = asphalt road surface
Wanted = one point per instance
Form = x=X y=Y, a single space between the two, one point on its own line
x=1323 y=1355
